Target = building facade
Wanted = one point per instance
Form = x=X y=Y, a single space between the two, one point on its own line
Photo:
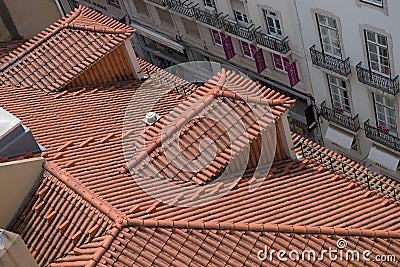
x=344 y=59
x=353 y=67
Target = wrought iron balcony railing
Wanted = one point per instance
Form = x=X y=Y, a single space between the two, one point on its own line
x=336 y=116
x=381 y=82
x=359 y=175
x=216 y=20
x=246 y=32
x=158 y=2
x=184 y=7
x=381 y=136
x=331 y=63
x=268 y=41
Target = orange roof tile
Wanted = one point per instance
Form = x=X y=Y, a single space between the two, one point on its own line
x=60 y=53
x=7 y=47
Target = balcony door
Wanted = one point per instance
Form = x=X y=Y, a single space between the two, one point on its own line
x=274 y=24
x=329 y=36
x=385 y=113
x=239 y=12
x=378 y=53
x=339 y=94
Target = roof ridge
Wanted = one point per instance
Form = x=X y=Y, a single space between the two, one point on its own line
x=265 y=227
x=119 y=219
x=50 y=33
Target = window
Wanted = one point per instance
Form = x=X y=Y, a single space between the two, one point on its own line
x=374 y=2
x=339 y=95
x=329 y=35
x=191 y=27
x=141 y=8
x=241 y=17
x=385 y=113
x=209 y=3
x=165 y=16
x=273 y=23
x=280 y=62
x=378 y=54
x=217 y=37
x=248 y=49
x=114 y=3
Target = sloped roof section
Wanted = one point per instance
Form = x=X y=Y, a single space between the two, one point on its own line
x=8 y=47
x=57 y=219
x=207 y=114
x=62 y=52
x=183 y=243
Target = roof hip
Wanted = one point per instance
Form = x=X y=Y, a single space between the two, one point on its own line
x=267 y=227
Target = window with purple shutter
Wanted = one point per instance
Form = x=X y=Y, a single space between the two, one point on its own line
x=280 y=63
x=248 y=49
x=217 y=37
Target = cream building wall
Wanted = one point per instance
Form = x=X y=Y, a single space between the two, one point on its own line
x=28 y=17
x=17 y=178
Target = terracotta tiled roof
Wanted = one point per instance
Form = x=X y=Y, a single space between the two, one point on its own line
x=56 y=56
x=87 y=211
x=183 y=243
x=7 y=47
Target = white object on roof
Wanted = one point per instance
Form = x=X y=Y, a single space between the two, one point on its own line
x=383 y=158
x=8 y=123
x=339 y=137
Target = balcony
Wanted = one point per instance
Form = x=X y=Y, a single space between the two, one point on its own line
x=378 y=81
x=331 y=63
x=161 y=3
x=335 y=116
x=245 y=32
x=213 y=20
x=186 y=7
x=273 y=43
x=381 y=137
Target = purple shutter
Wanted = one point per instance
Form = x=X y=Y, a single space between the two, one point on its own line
x=246 y=48
x=278 y=62
x=228 y=48
x=260 y=61
x=293 y=74
x=216 y=37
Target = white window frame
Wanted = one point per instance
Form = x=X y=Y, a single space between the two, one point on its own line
x=221 y=37
x=273 y=23
x=378 y=3
x=209 y=3
x=329 y=35
x=240 y=17
x=285 y=62
x=340 y=98
x=385 y=113
x=377 y=58
x=250 y=49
